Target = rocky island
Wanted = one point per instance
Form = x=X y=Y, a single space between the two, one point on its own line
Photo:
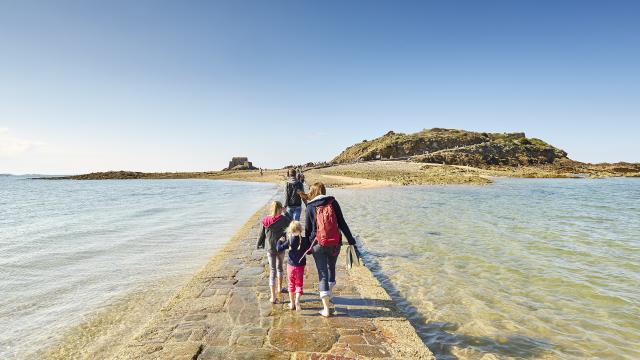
x=482 y=154
x=430 y=156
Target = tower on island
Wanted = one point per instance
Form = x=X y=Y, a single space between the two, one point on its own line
x=240 y=163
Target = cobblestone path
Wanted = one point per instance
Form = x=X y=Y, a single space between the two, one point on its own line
x=224 y=313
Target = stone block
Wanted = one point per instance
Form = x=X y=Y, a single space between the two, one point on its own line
x=258 y=354
x=250 y=272
x=370 y=351
x=198 y=334
x=195 y=317
x=250 y=341
x=343 y=322
x=218 y=337
x=352 y=339
x=181 y=335
x=214 y=353
x=302 y=340
x=180 y=351
x=208 y=292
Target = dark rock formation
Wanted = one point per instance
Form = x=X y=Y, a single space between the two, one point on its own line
x=107 y=175
x=509 y=153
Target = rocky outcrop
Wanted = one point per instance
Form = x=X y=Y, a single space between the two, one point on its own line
x=454 y=147
x=106 y=175
x=599 y=170
x=510 y=153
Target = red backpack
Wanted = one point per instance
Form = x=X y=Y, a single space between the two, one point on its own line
x=327 y=231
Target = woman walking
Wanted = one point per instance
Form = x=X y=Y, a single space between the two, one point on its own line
x=324 y=222
x=273 y=229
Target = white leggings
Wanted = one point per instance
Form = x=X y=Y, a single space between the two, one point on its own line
x=275 y=266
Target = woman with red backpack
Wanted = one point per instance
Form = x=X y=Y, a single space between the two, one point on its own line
x=324 y=222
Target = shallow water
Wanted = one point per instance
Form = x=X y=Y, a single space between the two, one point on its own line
x=519 y=268
x=72 y=249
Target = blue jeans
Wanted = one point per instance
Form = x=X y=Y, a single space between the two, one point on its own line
x=294 y=212
x=326 y=258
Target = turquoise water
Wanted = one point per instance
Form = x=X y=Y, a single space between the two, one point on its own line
x=70 y=248
x=517 y=269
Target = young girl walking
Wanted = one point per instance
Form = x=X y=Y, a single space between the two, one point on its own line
x=273 y=229
x=298 y=247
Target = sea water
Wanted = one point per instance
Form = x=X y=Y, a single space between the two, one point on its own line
x=91 y=254
x=520 y=268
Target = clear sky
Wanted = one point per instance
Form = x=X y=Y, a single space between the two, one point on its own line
x=186 y=85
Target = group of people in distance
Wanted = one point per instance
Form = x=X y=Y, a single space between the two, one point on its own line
x=281 y=231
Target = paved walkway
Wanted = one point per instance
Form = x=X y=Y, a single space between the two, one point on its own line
x=224 y=313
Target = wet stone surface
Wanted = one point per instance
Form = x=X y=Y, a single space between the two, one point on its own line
x=224 y=313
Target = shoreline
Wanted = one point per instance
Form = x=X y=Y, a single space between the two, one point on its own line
x=135 y=318
x=95 y=337
x=223 y=310
x=371 y=174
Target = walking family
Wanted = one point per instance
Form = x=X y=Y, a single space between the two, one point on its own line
x=281 y=231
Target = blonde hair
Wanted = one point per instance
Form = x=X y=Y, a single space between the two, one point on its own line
x=317 y=189
x=294 y=228
x=275 y=208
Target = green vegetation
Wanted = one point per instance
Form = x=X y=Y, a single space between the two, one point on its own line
x=454 y=147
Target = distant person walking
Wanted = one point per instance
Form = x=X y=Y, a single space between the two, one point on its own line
x=324 y=221
x=274 y=227
x=300 y=176
x=293 y=201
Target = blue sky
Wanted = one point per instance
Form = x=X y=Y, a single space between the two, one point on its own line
x=185 y=85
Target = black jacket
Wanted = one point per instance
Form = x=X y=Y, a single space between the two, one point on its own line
x=273 y=229
x=291 y=196
x=310 y=223
x=298 y=246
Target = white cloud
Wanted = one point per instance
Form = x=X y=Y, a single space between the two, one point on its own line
x=11 y=145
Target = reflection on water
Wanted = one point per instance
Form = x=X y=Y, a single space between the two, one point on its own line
x=521 y=268
x=87 y=259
